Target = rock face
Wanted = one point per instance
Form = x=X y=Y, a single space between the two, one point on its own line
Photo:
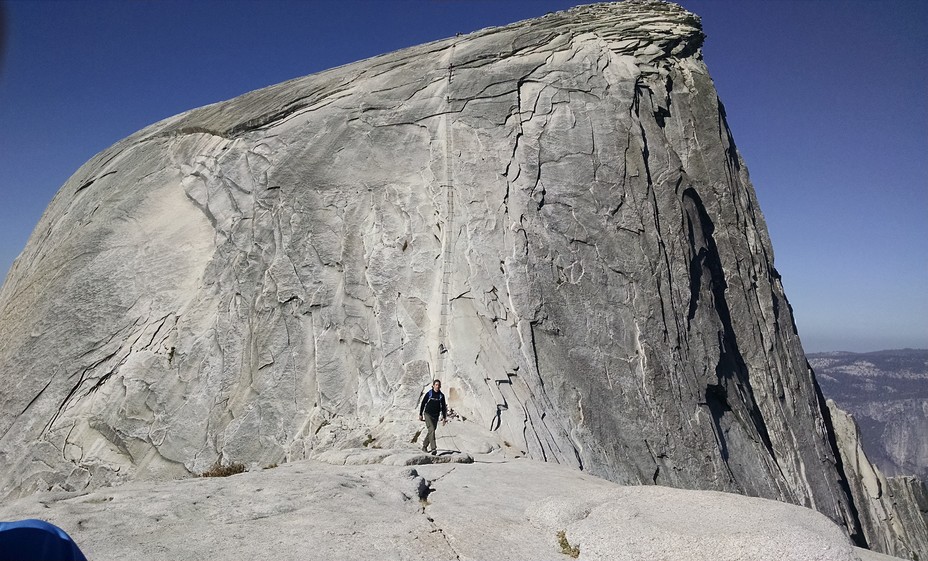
x=511 y=510
x=893 y=511
x=887 y=392
x=552 y=217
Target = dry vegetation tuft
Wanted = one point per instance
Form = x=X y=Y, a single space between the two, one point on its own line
x=219 y=470
x=566 y=548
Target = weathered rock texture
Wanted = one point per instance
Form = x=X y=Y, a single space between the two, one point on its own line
x=552 y=217
x=893 y=510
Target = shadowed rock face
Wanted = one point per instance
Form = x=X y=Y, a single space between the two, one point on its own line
x=552 y=217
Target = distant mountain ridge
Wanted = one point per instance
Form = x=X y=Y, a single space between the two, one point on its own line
x=887 y=393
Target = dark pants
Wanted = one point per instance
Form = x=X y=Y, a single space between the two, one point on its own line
x=430 y=424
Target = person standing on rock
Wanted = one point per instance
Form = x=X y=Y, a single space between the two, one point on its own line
x=433 y=405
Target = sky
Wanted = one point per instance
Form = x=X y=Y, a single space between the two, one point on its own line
x=827 y=101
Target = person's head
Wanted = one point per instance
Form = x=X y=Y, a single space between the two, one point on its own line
x=436 y=385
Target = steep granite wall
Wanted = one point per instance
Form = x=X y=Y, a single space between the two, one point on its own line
x=552 y=217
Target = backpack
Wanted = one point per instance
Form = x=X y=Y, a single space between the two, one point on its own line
x=433 y=403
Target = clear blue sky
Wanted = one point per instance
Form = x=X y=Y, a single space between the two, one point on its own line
x=827 y=101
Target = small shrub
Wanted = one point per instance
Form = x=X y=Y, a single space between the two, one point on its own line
x=219 y=470
x=566 y=548
x=369 y=440
x=271 y=466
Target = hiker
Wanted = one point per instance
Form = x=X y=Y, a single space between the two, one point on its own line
x=433 y=404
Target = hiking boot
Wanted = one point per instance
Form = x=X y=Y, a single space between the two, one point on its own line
x=434 y=452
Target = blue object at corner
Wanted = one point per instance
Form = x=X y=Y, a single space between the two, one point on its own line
x=36 y=540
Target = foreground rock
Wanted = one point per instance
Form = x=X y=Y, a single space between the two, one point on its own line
x=490 y=509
